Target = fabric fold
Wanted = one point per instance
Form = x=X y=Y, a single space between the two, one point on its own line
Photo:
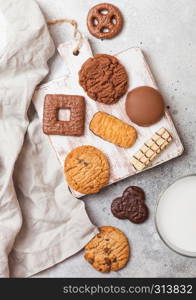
x=41 y=223
x=55 y=224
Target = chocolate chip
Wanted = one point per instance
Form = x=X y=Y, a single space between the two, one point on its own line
x=91 y=260
x=106 y=250
x=107 y=261
x=82 y=161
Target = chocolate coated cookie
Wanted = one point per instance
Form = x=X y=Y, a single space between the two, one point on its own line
x=104 y=78
x=104 y=21
x=52 y=125
x=131 y=205
x=145 y=106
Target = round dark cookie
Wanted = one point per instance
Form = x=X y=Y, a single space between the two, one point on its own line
x=104 y=21
x=131 y=205
x=104 y=78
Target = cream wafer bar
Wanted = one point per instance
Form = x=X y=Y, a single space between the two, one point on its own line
x=151 y=149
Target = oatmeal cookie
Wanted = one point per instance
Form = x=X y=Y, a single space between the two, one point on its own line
x=86 y=169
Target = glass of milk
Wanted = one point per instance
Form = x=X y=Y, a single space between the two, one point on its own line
x=176 y=216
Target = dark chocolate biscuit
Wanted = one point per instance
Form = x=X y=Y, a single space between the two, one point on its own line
x=53 y=126
x=104 y=78
x=104 y=21
x=131 y=205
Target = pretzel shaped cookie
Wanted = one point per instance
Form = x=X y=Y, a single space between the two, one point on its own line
x=104 y=21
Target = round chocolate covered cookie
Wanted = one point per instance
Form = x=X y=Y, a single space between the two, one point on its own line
x=104 y=21
x=104 y=78
x=144 y=106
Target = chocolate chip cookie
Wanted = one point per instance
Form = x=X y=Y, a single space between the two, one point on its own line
x=86 y=169
x=104 y=21
x=104 y=78
x=108 y=250
x=131 y=205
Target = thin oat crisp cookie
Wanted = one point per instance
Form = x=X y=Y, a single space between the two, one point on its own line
x=52 y=105
x=151 y=149
x=113 y=130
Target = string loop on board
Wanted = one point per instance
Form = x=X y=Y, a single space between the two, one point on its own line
x=77 y=35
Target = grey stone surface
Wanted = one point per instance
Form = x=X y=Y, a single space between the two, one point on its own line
x=166 y=32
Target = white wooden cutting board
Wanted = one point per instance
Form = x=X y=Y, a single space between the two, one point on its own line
x=139 y=75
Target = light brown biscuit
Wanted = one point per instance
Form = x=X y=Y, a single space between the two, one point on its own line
x=113 y=130
x=108 y=250
x=104 y=78
x=86 y=169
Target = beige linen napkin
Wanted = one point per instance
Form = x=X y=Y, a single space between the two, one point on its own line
x=41 y=223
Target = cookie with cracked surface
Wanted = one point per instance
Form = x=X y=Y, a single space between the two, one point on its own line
x=86 y=169
x=113 y=130
x=108 y=250
x=104 y=78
